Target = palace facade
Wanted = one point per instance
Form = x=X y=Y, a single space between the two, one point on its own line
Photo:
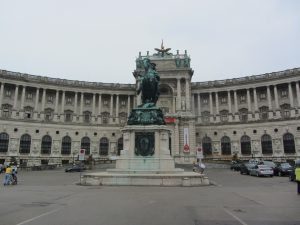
x=48 y=120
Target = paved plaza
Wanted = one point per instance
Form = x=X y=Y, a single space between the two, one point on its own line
x=53 y=198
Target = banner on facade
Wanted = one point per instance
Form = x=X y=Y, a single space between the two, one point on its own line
x=170 y=120
x=186 y=143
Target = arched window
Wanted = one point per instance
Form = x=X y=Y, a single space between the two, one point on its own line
x=206 y=146
x=4 y=139
x=68 y=115
x=266 y=144
x=25 y=143
x=103 y=146
x=245 y=145
x=243 y=115
x=86 y=144
x=46 y=144
x=225 y=146
x=263 y=112
x=120 y=145
x=224 y=115
x=66 y=145
x=105 y=117
x=87 y=116
x=288 y=143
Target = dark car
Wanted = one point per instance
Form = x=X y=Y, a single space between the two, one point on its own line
x=75 y=168
x=235 y=165
x=245 y=168
x=283 y=169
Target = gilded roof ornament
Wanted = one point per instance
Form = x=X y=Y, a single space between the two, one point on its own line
x=162 y=51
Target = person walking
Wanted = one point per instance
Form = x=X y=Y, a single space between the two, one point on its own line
x=297 y=173
x=7 y=177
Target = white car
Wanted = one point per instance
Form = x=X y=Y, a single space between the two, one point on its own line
x=261 y=170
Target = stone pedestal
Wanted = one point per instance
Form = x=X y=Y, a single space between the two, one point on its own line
x=146 y=161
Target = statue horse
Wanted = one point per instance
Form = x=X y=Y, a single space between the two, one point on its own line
x=149 y=85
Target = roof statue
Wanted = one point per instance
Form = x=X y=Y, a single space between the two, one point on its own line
x=162 y=51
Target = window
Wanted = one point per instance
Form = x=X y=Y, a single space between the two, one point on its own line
x=205 y=101
x=206 y=146
x=87 y=101
x=205 y=116
x=105 y=117
x=242 y=98
x=46 y=144
x=28 y=112
x=4 y=140
x=122 y=117
x=68 y=116
x=223 y=100
x=29 y=96
x=50 y=99
x=263 y=113
x=69 y=100
x=225 y=146
x=6 y=110
x=243 y=115
x=285 y=110
x=245 y=145
x=7 y=93
x=105 y=102
x=66 y=145
x=284 y=94
x=48 y=114
x=224 y=115
x=266 y=144
x=123 y=103
x=103 y=146
x=25 y=143
x=85 y=144
x=262 y=96
x=288 y=143
x=87 y=116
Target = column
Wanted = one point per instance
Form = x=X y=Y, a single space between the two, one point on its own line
x=99 y=109
x=276 y=97
x=298 y=94
x=211 y=107
x=16 y=96
x=37 y=93
x=1 y=94
x=291 y=100
x=217 y=103
x=255 y=104
x=23 y=97
x=81 y=104
x=178 y=105
x=249 y=101
x=291 y=95
x=93 y=105
x=36 y=99
x=199 y=107
x=128 y=105
x=111 y=108
x=174 y=104
x=187 y=95
x=193 y=104
x=235 y=102
x=63 y=102
x=75 y=107
x=117 y=109
x=229 y=101
x=43 y=100
x=269 y=98
x=56 y=102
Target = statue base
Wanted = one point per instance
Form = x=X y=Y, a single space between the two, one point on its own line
x=145 y=161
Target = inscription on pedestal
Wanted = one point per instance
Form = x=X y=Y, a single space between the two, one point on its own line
x=144 y=143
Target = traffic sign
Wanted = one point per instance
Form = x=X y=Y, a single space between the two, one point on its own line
x=81 y=154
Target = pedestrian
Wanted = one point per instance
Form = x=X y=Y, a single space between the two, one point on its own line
x=7 y=177
x=297 y=173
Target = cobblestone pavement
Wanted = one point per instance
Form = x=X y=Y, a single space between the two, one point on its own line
x=51 y=197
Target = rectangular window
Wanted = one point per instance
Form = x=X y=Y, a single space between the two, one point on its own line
x=205 y=101
x=223 y=100
x=242 y=98
x=50 y=98
x=123 y=103
x=69 y=101
x=262 y=96
x=87 y=102
x=284 y=94
x=8 y=93
x=29 y=96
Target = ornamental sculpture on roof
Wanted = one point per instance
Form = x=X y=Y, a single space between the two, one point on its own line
x=162 y=51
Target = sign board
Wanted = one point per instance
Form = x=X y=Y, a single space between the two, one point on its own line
x=199 y=153
x=81 y=154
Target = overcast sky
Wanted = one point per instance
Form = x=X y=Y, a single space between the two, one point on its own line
x=94 y=40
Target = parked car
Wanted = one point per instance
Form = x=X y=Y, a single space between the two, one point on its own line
x=261 y=170
x=282 y=169
x=246 y=167
x=75 y=168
